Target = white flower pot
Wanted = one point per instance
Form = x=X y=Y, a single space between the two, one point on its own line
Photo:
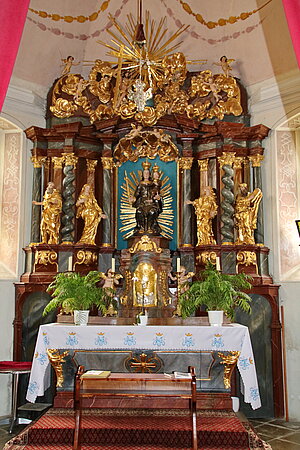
x=215 y=318
x=81 y=317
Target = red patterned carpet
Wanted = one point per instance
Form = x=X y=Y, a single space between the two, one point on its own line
x=137 y=430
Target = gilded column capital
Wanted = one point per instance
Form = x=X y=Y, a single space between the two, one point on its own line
x=91 y=165
x=203 y=165
x=238 y=161
x=256 y=160
x=57 y=162
x=185 y=163
x=227 y=159
x=107 y=162
x=70 y=159
x=38 y=161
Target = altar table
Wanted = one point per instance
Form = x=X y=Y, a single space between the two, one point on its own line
x=232 y=337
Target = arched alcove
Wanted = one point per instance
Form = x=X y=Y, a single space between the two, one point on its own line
x=10 y=187
x=288 y=192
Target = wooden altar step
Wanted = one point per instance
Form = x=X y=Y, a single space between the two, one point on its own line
x=156 y=430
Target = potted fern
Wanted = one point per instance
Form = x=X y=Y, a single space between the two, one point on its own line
x=76 y=293
x=219 y=292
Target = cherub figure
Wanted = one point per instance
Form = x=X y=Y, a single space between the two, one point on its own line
x=111 y=281
x=81 y=85
x=225 y=65
x=213 y=87
x=182 y=278
x=68 y=63
x=125 y=84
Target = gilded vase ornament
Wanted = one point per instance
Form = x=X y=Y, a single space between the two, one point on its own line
x=91 y=213
x=206 y=209
x=52 y=207
x=246 y=210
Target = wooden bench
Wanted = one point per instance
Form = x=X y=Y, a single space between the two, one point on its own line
x=133 y=385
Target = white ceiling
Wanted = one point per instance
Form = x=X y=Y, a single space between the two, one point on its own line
x=260 y=44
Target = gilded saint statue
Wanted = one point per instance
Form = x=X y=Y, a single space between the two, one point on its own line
x=147 y=201
x=246 y=209
x=50 y=223
x=144 y=285
x=206 y=209
x=91 y=213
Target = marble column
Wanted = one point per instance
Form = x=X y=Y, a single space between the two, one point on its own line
x=185 y=165
x=257 y=183
x=68 y=215
x=107 y=230
x=36 y=197
x=227 y=231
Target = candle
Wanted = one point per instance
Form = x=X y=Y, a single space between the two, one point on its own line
x=218 y=266
x=178 y=265
x=70 y=264
x=113 y=264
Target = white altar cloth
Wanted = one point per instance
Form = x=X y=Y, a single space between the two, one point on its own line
x=233 y=337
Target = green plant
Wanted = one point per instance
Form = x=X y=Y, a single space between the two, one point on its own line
x=71 y=291
x=217 y=291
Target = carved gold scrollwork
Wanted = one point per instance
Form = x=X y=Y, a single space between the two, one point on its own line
x=247 y=258
x=91 y=165
x=107 y=163
x=86 y=257
x=227 y=159
x=203 y=165
x=185 y=163
x=163 y=281
x=38 y=161
x=230 y=360
x=206 y=257
x=238 y=161
x=128 y=287
x=45 y=257
x=145 y=144
x=145 y=245
x=56 y=359
x=70 y=159
x=143 y=363
x=256 y=160
x=57 y=162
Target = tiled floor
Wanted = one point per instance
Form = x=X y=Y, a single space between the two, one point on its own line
x=279 y=434
x=5 y=436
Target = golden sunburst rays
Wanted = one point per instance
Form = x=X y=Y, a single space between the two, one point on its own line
x=145 y=61
x=127 y=212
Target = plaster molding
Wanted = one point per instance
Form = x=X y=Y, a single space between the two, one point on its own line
x=274 y=93
x=24 y=101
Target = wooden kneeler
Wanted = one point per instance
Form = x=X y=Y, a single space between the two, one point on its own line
x=133 y=385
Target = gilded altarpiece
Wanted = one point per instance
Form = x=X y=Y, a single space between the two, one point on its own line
x=154 y=170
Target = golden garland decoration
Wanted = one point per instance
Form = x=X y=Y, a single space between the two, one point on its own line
x=70 y=19
x=221 y=22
